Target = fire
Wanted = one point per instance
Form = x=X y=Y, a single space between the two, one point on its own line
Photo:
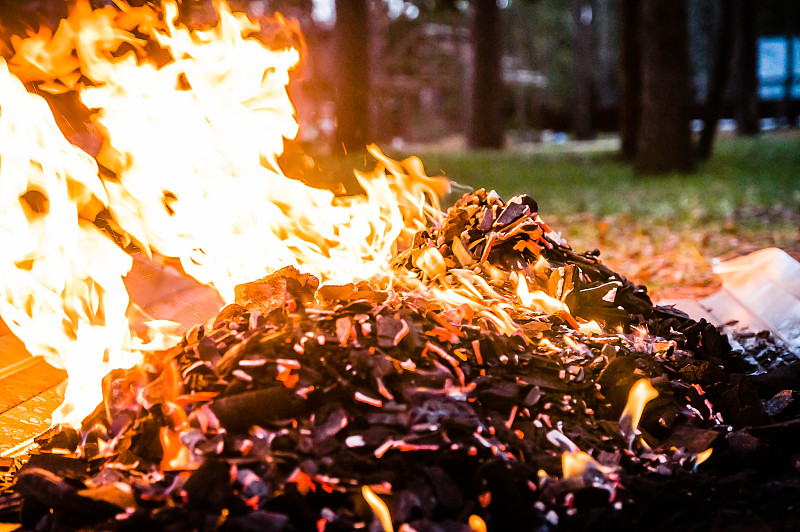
x=193 y=146
x=379 y=507
x=476 y=523
x=538 y=299
x=702 y=457
x=641 y=393
x=577 y=464
x=187 y=169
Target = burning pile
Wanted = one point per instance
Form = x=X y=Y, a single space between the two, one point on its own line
x=329 y=408
x=396 y=367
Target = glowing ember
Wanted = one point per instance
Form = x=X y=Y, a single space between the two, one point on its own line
x=641 y=393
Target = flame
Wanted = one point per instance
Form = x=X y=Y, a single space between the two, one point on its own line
x=580 y=469
x=538 y=299
x=641 y=393
x=575 y=464
x=188 y=169
x=702 y=457
x=61 y=289
x=193 y=145
x=379 y=507
x=476 y=523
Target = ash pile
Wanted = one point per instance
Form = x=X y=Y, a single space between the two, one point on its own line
x=503 y=382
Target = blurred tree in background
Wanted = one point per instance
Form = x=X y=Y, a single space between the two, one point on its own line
x=351 y=34
x=664 y=136
x=486 y=124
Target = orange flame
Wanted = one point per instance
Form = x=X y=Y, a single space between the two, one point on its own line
x=476 y=523
x=702 y=457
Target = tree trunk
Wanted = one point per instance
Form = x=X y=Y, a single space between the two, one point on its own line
x=630 y=82
x=486 y=124
x=352 y=84
x=718 y=78
x=582 y=53
x=665 y=142
x=747 y=112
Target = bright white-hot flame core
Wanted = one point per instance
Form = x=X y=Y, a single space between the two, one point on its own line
x=61 y=289
x=194 y=145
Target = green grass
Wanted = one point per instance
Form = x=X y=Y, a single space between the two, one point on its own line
x=750 y=176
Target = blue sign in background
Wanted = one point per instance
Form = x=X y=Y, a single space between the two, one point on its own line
x=778 y=57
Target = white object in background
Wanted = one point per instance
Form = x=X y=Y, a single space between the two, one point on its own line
x=760 y=292
x=767 y=284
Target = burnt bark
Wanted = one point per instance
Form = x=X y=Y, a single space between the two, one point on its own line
x=747 y=105
x=630 y=81
x=664 y=139
x=718 y=78
x=352 y=84
x=486 y=124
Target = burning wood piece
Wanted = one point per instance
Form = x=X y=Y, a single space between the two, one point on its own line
x=488 y=410
x=287 y=286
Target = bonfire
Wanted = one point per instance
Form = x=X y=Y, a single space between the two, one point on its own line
x=380 y=363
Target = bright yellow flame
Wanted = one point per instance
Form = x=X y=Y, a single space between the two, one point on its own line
x=573 y=465
x=430 y=261
x=591 y=327
x=641 y=393
x=61 y=289
x=197 y=172
x=379 y=507
x=538 y=299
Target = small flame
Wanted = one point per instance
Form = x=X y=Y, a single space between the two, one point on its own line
x=538 y=299
x=641 y=393
x=702 y=457
x=379 y=507
x=579 y=468
x=476 y=523
x=575 y=464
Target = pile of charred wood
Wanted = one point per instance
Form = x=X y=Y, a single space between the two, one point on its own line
x=356 y=407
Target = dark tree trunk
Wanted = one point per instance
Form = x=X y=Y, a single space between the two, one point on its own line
x=630 y=62
x=486 y=123
x=352 y=84
x=747 y=112
x=718 y=78
x=582 y=52
x=665 y=142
